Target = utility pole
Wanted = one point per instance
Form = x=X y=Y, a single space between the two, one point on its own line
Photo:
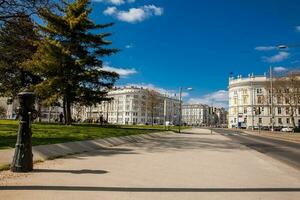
x=252 y=99
x=180 y=108
x=272 y=104
x=212 y=116
x=165 y=110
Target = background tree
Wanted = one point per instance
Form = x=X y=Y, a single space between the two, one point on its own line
x=69 y=57
x=17 y=38
x=286 y=91
x=2 y=112
x=21 y=8
x=152 y=104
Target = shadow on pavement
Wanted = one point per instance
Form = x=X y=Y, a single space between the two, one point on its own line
x=141 y=189
x=101 y=152
x=83 y=171
x=186 y=142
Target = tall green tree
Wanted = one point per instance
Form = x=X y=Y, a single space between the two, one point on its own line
x=17 y=45
x=69 y=57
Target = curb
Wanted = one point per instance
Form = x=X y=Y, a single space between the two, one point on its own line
x=52 y=151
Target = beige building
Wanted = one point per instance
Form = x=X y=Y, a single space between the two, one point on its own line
x=250 y=105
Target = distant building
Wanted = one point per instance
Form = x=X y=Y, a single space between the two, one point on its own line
x=249 y=104
x=132 y=105
x=195 y=114
x=49 y=114
x=203 y=115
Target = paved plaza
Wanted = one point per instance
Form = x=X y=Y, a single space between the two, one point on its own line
x=193 y=165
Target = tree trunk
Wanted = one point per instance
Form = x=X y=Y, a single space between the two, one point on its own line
x=39 y=109
x=64 y=109
x=68 y=112
x=152 y=118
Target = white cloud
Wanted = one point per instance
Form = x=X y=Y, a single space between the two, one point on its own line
x=298 y=28
x=280 y=69
x=114 y=2
x=129 y=46
x=110 y=10
x=277 y=58
x=217 y=99
x=134 y=15
x=265 y=48
x=124 y=72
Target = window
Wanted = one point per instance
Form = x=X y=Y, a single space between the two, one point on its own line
x=287 y=100
x=245 y=99
x=287 y=111
x=279 y=110
x=260 y=120
x=245 y=110
x=279 y=100
x=235 y=100
x=259 y=91
x=279 y=121
x=260 y=99
x=287 y=120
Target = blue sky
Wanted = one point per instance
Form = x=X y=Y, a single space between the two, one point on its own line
x=171 y=43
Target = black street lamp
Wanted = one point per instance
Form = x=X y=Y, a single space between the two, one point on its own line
x=22 y=160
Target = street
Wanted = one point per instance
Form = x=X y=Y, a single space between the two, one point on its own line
x=284 y=151
x=192 y=165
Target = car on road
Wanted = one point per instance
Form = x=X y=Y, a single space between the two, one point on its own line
x=287 y=129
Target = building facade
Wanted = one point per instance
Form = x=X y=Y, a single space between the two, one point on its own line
x=250 y=104
x=47 y=114
x=195 y=114
x=203 y=115
x=133 y=105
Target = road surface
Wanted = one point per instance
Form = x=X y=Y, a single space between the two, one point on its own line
x=195 y=165
x=284 y=151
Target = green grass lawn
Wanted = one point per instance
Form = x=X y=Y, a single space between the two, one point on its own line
x=44 y=133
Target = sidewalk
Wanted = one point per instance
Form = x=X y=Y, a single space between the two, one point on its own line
x=172 y=166
x=46 y=152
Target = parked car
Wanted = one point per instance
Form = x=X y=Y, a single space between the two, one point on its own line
x=287 y=129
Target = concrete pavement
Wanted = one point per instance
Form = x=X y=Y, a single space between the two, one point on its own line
x=51 y=151
x=174 y=166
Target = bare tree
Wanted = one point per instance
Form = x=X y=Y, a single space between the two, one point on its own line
x=152 y=103
x=12 y=8
x=286 y=90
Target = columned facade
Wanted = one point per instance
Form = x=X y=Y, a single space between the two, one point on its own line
x=250 y=104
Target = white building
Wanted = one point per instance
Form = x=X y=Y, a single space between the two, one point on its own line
x=249 y=104
x=203 y=115
x=195 y=114
x=130 y=105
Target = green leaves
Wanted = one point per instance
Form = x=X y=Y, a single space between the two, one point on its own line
x=69 y=56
